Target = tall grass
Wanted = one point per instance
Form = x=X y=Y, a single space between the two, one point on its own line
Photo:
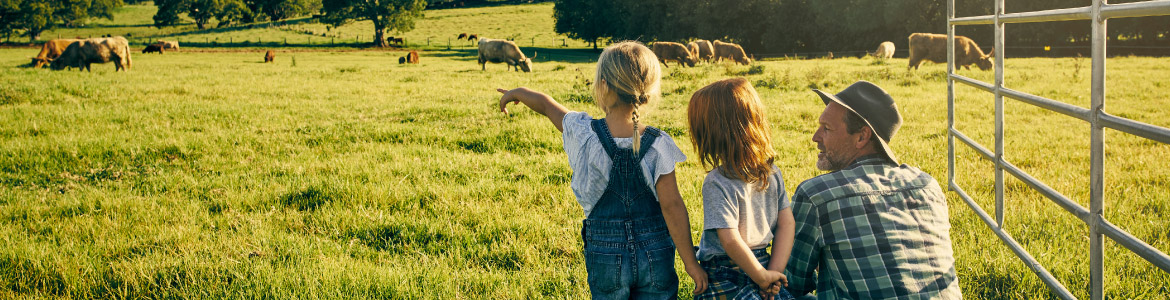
x=342 y=174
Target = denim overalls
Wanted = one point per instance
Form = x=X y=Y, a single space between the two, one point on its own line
x=628 y=251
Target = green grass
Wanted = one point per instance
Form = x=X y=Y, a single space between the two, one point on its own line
x=214 y=175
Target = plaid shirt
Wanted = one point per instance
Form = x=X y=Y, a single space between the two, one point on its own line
x=875 y=231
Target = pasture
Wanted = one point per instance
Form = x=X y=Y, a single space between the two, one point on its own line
x=338 y=173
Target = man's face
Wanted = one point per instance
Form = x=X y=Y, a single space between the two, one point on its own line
x=838 y=147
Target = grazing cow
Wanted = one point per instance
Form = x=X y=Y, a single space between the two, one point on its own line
x=472 y=37
x=731 y=51
x=501 y=51
x=51 y=50
x=673 y=51
x=169 y=45
x=270 y=56
x=402 y=60
x=462 y=36
x=412 y=57
x=694 y=49
x=153 y=48
x=706 y=51
x=933 y=47
x=96 y=50
x=884 y=51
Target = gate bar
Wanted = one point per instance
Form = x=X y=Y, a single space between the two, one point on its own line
x=1126 y=10
x=1060 y=199
x=1135 y=128
x=1136 y=245
x=1007 y=239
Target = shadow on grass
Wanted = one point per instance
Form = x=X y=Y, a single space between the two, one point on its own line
x=541 y=54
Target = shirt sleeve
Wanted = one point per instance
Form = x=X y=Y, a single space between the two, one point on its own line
x=805 y=257
x=784 y=201
x=719 y=209
x=668 y=155
x=576 y=132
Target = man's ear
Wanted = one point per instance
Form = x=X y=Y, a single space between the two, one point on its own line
x=863 y=138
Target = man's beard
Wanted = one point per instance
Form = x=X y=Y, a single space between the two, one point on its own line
x=829 y=162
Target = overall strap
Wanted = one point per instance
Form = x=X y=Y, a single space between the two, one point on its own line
x=606 y=139
x=649 y=135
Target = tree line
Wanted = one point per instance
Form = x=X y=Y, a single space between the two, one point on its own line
x=803 y=26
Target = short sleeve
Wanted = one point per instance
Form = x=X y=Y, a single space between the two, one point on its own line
x=720 y=210
x=576 y=131
x=784 y=201
x=662 y=160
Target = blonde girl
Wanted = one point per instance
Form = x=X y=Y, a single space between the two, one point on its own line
x=623 y=177
x=745 y=206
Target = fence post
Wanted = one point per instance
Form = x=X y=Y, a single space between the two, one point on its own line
x=1097 y=155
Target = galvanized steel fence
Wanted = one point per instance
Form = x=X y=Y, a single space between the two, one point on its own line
x=1098 y=14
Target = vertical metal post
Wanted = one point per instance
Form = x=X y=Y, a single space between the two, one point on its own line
x=999 y=205
x=1097 y=155
x=950 y=94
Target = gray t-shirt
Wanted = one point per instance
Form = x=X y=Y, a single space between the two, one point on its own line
x=731 y=203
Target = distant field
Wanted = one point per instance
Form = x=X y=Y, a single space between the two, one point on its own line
x=529 y=25
x=336 y=173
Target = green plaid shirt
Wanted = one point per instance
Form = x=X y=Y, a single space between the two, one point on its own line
x=875 y=231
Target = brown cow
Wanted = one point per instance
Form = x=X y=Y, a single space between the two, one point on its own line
x=885 y=50
x=462 y=36
x=694 y=49
x=933 y=47
x=472 y=37
x=412 y=57
x=51 y=50
x=706 y=51
x=81 y=54
x=270 y=56
x=731 y=51
x=673 y=51
x=153 y=48
x=501 y=51
x=169 y=45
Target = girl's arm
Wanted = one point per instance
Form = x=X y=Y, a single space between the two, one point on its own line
x=679 y=225
x=782 y=237
x=537 y=101
x=743 y=257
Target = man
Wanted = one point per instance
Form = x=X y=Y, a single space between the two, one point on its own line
x=870 y=228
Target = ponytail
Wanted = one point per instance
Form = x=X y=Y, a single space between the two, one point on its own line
x=637 y=136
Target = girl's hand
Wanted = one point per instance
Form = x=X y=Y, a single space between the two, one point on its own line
x=699 y=276
x=768 y=277
x=509 y=96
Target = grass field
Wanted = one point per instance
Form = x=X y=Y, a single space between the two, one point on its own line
x=335 y=173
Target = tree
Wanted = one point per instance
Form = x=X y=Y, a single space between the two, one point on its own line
x=232 y=11
x=34 y=17
x=202 y=11
x=277 y=10
x=585 y=19
x=395 y=15
x=168 y=12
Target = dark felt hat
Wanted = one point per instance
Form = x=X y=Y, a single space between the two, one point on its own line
x=875 y=106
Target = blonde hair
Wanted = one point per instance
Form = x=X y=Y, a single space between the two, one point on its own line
x=728 y=130
x=631 y=71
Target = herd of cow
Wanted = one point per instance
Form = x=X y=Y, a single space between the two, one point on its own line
x=80 y=53
x=923 y=46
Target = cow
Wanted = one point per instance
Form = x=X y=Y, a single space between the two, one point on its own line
x=402 y=60
x=51 y=50
x=472 y=37
x=706 y=51
x=81 y=54
x=885 y=50
x=169 y=45
x=694 y=49
x=501 y=51
x=933 y=47
x=412 y=57
x=462 y=36
x=731 y=51
x=153 y=48
x=270 y=56
x=673 y=51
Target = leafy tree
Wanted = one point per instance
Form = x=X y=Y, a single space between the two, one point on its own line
x=168 y=12
x=585 y=20
x=33 y=17
x=232 y=11
x=202 y=11
x=277 y=10
x=396 y=15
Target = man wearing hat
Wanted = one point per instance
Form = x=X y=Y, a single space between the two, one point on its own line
x=870 y=228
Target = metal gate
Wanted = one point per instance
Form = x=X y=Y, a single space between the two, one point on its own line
x=1098 y=14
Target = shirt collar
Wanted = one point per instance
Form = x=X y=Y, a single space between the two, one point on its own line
x=870 y=159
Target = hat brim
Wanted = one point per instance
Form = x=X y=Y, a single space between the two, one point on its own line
x=826 y=97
